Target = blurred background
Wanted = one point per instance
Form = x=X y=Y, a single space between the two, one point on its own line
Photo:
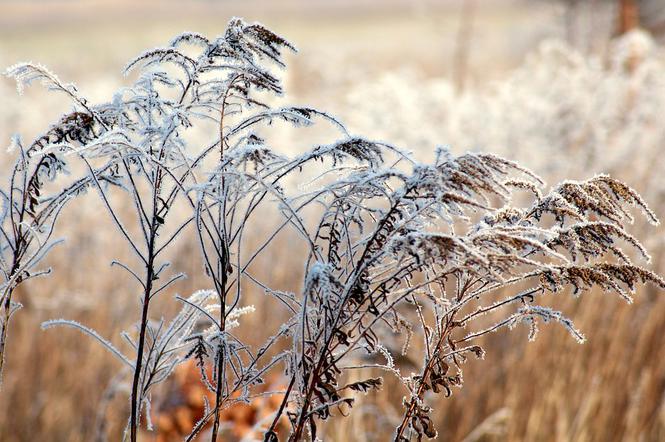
x=569 y=88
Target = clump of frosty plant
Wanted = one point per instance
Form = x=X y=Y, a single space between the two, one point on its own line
x=395 y=250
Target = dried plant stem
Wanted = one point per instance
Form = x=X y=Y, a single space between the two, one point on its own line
x=137 y=390
x=399 y=433
x=6 y=312
x=314 y=377
x=219 y=366
x=135 y=398
x=222 y=281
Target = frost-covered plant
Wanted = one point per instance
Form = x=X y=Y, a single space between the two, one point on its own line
x=426 y=251
x=167 y=344
x=36 y=192
x=143 y=131
x=394 y=248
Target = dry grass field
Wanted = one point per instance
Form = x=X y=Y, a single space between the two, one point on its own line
x=388 y=69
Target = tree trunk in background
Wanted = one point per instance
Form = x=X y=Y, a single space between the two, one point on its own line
x=628 y=16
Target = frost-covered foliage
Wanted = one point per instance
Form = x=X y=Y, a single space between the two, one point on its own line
x=395 y=249
x=563 y=113
x=37 y=189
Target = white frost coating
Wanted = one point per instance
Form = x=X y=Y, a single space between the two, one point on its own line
x=90 y=332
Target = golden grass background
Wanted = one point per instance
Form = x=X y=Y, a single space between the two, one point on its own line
x=610 y=389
